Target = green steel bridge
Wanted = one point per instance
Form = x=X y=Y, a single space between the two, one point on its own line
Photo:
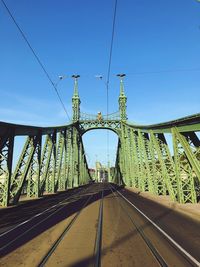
x=53 y=158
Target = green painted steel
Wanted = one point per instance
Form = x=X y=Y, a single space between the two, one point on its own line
x=163 y=159
x=153 y=167
x=6 y=157
x=76 y=100
x=45 y=168
x=122 y=101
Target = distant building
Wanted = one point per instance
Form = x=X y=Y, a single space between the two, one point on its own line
x=101 y=173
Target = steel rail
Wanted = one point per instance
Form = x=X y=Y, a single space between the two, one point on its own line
x=63 y=234
x=179 y=248
x=98 y=243
x=31 y=228
x=154 y=251
x=41 y=213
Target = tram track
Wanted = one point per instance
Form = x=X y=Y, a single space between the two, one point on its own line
x=98 y=242
x=154 y=251
x=40 y=213
x=162 y=262
x=105 y=229
x=13 y=235
x=63 y=234
x=96 y=251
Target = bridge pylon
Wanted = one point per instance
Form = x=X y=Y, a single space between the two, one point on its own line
x=76 y=100
x=122 y=99
x=53 y=158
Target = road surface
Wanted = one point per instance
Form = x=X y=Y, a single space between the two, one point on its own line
x=95 y=225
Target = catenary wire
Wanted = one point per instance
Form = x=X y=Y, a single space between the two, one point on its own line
x=36 y=57
x=164 y=71
x=108 y=72
x=197 y=69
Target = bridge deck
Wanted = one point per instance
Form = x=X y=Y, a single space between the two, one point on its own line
x=94 y=226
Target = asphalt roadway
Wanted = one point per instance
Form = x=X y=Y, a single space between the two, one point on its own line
x=97 y=225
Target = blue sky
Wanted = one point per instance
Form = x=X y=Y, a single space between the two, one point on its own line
x=156 y=44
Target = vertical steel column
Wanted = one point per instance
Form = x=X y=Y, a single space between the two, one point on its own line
x=184 y=171
x=71 y=161
x=45 y=162
x=194 y=144
x=6 y=158
x=149 y=183
x=144 y=168
x=128 y=159
x=34 y=170
x=81 y=168
x=141 y=169
x=135 y=157
x=159 y=187
x=188 y=151
x=75 y=159
x=68 y=159
x=118 y=176
x=166 y=164
x=50 y=179
x=59 y=159
x=122 y=155
x=19 y=176
x=63 y=164
x=132 y=164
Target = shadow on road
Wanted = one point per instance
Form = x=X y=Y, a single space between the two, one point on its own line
x=73 y=205
x=119 y=242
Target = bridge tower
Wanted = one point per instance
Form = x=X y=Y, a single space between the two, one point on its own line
x=122 y=99
x=76 y=100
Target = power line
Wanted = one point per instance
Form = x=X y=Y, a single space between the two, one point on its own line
x=36 y=57
x=165 y=71
x=89 y=75
x=108 y=72
x=110 y=53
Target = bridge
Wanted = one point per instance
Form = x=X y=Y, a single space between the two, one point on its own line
x=143 y=156
x=80 y=222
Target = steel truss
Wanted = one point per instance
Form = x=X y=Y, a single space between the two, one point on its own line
x=52 y=160
x=145 y=160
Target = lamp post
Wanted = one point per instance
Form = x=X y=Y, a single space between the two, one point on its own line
x=121 y=75
x=60 y=78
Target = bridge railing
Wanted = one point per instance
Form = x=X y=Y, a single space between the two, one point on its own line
x=52 y=159
x=100 y=117
x=163 y=159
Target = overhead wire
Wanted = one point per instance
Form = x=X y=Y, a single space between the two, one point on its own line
x=36 y=56
x=108 y=72
x=165 y=71
x=91 y=76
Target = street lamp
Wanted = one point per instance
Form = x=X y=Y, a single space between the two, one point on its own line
x=60 y=78
x=75 y=76
x=121 y=75
x=98 y=76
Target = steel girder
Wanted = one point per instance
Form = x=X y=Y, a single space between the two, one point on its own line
x=6 y=158
x=117 y=177
x=113 y=125
x=33 y=177
x=143 y=159
x=186 y=166
x=56 y=165
x=145 y=162
x=164 y=165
